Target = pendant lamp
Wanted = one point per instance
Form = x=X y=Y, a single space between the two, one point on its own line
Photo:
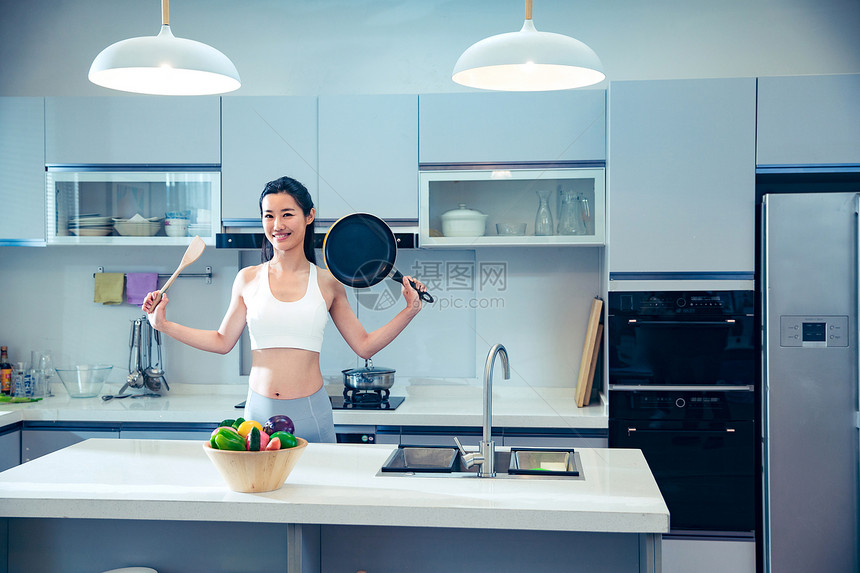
x=528 y=60
x=164 y=65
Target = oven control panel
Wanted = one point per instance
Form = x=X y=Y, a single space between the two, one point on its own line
x=813 y=331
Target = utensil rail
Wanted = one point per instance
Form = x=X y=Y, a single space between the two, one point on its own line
x=206 y=275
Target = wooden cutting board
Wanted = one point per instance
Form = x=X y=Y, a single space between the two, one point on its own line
x=590 y=349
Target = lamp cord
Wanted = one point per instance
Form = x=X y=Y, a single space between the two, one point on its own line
x=528 y=9
x=165 y=12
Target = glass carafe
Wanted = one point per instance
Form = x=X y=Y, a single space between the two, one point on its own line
x=543 y=219
x=568 y=213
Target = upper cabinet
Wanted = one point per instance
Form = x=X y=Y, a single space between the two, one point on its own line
x=682 y=176
x=808 y=120
x=22 y=164
x=517 y=207
x=265 y=138
x=512 y=127
x=368 y=156
x=133 y=130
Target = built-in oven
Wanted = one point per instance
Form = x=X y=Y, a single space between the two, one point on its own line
x=682 y=371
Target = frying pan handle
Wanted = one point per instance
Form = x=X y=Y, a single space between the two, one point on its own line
x=425 y=296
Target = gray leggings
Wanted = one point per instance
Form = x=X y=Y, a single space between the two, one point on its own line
x=311 y=415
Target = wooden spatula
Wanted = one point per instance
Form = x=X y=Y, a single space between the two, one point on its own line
x=192 y=253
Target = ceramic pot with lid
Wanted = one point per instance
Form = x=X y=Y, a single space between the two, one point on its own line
x=463 y=222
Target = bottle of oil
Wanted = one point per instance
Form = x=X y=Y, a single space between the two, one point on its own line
x=5 y=372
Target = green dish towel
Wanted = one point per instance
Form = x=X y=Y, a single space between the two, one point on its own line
x=109 y=287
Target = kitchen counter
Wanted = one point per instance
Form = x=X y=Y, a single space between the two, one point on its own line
x=429 y=402
x=332 y=485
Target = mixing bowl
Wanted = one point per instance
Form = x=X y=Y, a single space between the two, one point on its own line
x=84 y=380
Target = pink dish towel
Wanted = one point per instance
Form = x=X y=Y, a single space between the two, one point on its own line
x=138 y=285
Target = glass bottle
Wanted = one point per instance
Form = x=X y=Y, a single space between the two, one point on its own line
x=5 y=372
x=567 y=215
x=37 y=380
x=46 y=365
x=585 y=215
x=543 y=219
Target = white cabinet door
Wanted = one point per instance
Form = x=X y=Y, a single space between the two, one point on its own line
x=265 y=138
x=808 y=120
x=512 y=127
x=681 y=180
x=368 y=156
x=22 y=164
x=133 y=130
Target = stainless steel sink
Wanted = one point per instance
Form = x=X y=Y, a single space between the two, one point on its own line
x=436 y=461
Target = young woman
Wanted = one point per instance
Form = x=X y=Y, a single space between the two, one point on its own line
x=286 y=302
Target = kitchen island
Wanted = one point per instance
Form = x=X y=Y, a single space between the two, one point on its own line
x=108 y=503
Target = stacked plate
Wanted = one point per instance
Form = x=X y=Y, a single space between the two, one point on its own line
x=201 y=229
x=137 y=226
x=91 y=225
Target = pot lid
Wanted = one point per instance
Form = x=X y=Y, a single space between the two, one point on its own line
x=369 y=368
x=462 y=214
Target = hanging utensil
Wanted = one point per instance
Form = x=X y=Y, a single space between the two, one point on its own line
x=359 y=251
x=192 y=253
x=135 y=375
x=154 y=375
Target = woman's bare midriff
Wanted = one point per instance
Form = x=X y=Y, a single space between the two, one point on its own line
x=285 y=373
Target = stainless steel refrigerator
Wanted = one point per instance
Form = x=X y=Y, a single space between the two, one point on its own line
x=810 y=371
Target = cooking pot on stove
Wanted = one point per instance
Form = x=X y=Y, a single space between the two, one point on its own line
x=369 y=378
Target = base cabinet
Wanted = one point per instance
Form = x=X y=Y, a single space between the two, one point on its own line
x=38 y=442
x=708 y=556
x=430 y=550
x=89 y=545
x=10 y=449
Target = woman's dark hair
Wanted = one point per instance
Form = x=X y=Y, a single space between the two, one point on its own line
x=300 y=193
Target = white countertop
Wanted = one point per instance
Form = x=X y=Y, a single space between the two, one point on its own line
x=331 y=484
x=429 y=402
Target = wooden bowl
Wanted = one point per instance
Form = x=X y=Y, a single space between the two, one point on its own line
x=256 y=471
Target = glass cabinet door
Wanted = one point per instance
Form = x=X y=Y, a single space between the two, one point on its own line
x=98 y=206
x=515 y=207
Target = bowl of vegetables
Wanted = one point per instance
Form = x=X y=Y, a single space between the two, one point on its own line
x=253 y=457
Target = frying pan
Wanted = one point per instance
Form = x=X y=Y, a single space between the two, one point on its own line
x=360 y=249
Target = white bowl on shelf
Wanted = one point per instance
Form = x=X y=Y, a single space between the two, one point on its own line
x=91 y=231
x=127 y=229
x=176 y=227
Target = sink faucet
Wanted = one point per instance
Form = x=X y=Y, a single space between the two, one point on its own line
x=486 y=455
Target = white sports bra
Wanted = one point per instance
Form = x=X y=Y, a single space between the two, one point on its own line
x=273 y=323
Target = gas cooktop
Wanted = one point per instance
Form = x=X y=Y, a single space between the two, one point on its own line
x=341 y=403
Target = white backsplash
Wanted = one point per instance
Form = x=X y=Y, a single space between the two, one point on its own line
x=535 y=301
